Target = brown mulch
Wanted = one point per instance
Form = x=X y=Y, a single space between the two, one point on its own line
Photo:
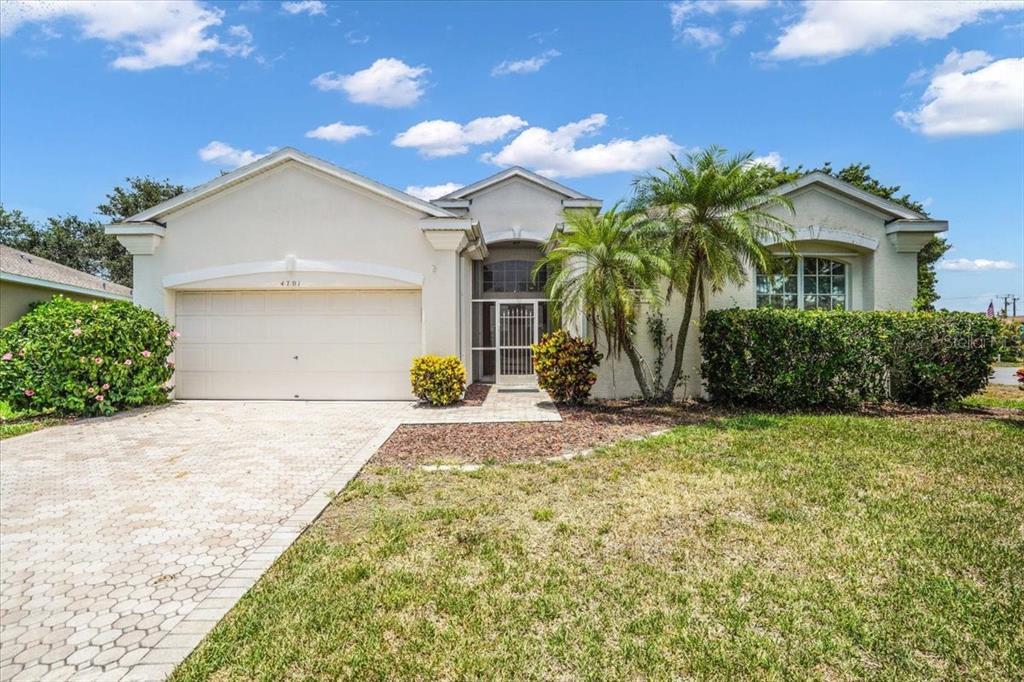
x=476 y=394
x=580 y=428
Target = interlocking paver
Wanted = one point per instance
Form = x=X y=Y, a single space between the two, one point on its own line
x=123 y=540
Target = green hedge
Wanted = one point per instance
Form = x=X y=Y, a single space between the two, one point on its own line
x=792 y=358
x=74 y=357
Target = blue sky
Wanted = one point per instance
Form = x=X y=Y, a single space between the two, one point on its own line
x=425 y=95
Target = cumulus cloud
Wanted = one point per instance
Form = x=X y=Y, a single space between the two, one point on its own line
x=222 y=154
x=684 y=15
x=310 y=7
x=438 y=138
x=146 y=35
x=773 y=159
x=531 y=65
x=975 y=264
x=338 y=132
x=555 y=152
x=428 y=192
x=387 y=82
x=828 y=30
x=970 y=93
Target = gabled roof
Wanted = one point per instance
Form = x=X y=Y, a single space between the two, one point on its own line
x=19 y=266
x=274 y=160
x=517 y=171
x=898 y=211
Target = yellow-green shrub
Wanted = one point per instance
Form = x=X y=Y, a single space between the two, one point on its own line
x=438 y=380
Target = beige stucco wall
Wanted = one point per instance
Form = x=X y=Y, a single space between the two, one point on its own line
x=883 y=279
x=516 y=205
x=293 y=210
x=15 y=299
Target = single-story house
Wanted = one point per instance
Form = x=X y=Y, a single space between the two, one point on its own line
x=292 y=278
x=26 y=279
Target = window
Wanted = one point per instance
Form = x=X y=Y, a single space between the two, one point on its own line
x=512 y=276
x=805 y=283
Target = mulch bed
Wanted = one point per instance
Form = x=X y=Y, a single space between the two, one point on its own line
x=580 y=428
x=476 y=394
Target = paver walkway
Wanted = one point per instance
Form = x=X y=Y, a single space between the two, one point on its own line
x=124 y=540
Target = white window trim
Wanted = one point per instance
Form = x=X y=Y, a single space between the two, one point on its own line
x=847 y=277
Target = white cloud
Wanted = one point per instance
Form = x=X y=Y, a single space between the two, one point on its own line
x=354 y=37
x=338 y=132
x=310 y=7
x=387 y=82
x=708 y=37
x=975 y=264
x=223 y=154
x=447 y=138
x=531 y=65
x=147 y=35
x=554 y=152
x=773 y=159
x=828 y=30
x=428 y=192
x=970 y=94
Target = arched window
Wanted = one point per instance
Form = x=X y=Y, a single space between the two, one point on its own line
x=512 y=276
x=805 y=283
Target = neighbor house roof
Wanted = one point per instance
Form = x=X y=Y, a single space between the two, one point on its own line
x=518 y=171
x=273 y=160
x=24 y=268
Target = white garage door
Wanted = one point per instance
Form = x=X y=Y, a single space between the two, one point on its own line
x=292 y=345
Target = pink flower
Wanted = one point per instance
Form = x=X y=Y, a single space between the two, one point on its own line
x=128 y=361
x=76 y=331
x=106 y=386
x=175 y=333
x=29 y=392
x=170 y=363
x=8 y=356
x=98 y=360
x=167 y=342
x=99 y=398
x=146 y=353
x=91 y=390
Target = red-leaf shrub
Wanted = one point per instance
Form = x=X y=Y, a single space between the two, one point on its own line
x=565 y=366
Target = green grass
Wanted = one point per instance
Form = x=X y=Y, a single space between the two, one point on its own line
x=26 y=423
x=758 y=546
x=997 y=395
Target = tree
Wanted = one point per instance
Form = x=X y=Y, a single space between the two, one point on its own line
x=603 y=268
x=715 y=212
x=142 y=193
x=859 y=175
x=17 y=231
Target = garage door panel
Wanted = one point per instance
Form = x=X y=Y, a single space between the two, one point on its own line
x=305 y=345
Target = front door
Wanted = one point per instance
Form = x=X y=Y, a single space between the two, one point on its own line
x=517 y=331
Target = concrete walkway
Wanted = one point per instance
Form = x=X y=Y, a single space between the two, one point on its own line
x=1004 y=375
x=124 y=540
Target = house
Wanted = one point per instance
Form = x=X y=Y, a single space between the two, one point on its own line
x=26 y=279
x=292 y=278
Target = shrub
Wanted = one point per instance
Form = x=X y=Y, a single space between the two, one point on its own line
x=75 y=357
x=565 y=366
x=438 y=380
x=1020 y=378
x=791 y=358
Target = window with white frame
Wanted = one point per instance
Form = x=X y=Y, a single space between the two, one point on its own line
x=806 y=283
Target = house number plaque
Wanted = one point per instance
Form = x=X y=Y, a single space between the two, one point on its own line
x=291 y=282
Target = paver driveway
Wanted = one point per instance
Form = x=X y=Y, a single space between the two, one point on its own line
x=115 y=531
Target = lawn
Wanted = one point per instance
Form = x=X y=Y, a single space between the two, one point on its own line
x=997 y=395
x=17 y=423
x=767 y=546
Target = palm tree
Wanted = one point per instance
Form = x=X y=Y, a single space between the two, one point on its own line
x=714 y=213
x=603 y=268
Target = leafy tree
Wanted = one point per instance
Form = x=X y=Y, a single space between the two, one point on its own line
x=82 y=244
x=859 y=175
x=603 y=267
x=714 y=212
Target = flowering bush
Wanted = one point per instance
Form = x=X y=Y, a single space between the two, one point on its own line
x=1020 y=378
x=76 y=357
x=438 y=380
x=565 y=366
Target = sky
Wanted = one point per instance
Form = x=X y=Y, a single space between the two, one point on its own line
x=427 y=97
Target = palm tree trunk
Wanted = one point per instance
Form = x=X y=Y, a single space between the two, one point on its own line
x=668 y=390
x=638 y=370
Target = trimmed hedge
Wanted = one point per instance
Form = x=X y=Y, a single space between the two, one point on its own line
x=76 y=357
x=565 y=366
x=795 y=359
x=438 y=380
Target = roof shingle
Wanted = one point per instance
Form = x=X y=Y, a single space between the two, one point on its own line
x=15 y=262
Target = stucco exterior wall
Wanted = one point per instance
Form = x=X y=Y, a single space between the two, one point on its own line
x=293 y=210
x=516 y=205
x=882 y=279
x=16 y=298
